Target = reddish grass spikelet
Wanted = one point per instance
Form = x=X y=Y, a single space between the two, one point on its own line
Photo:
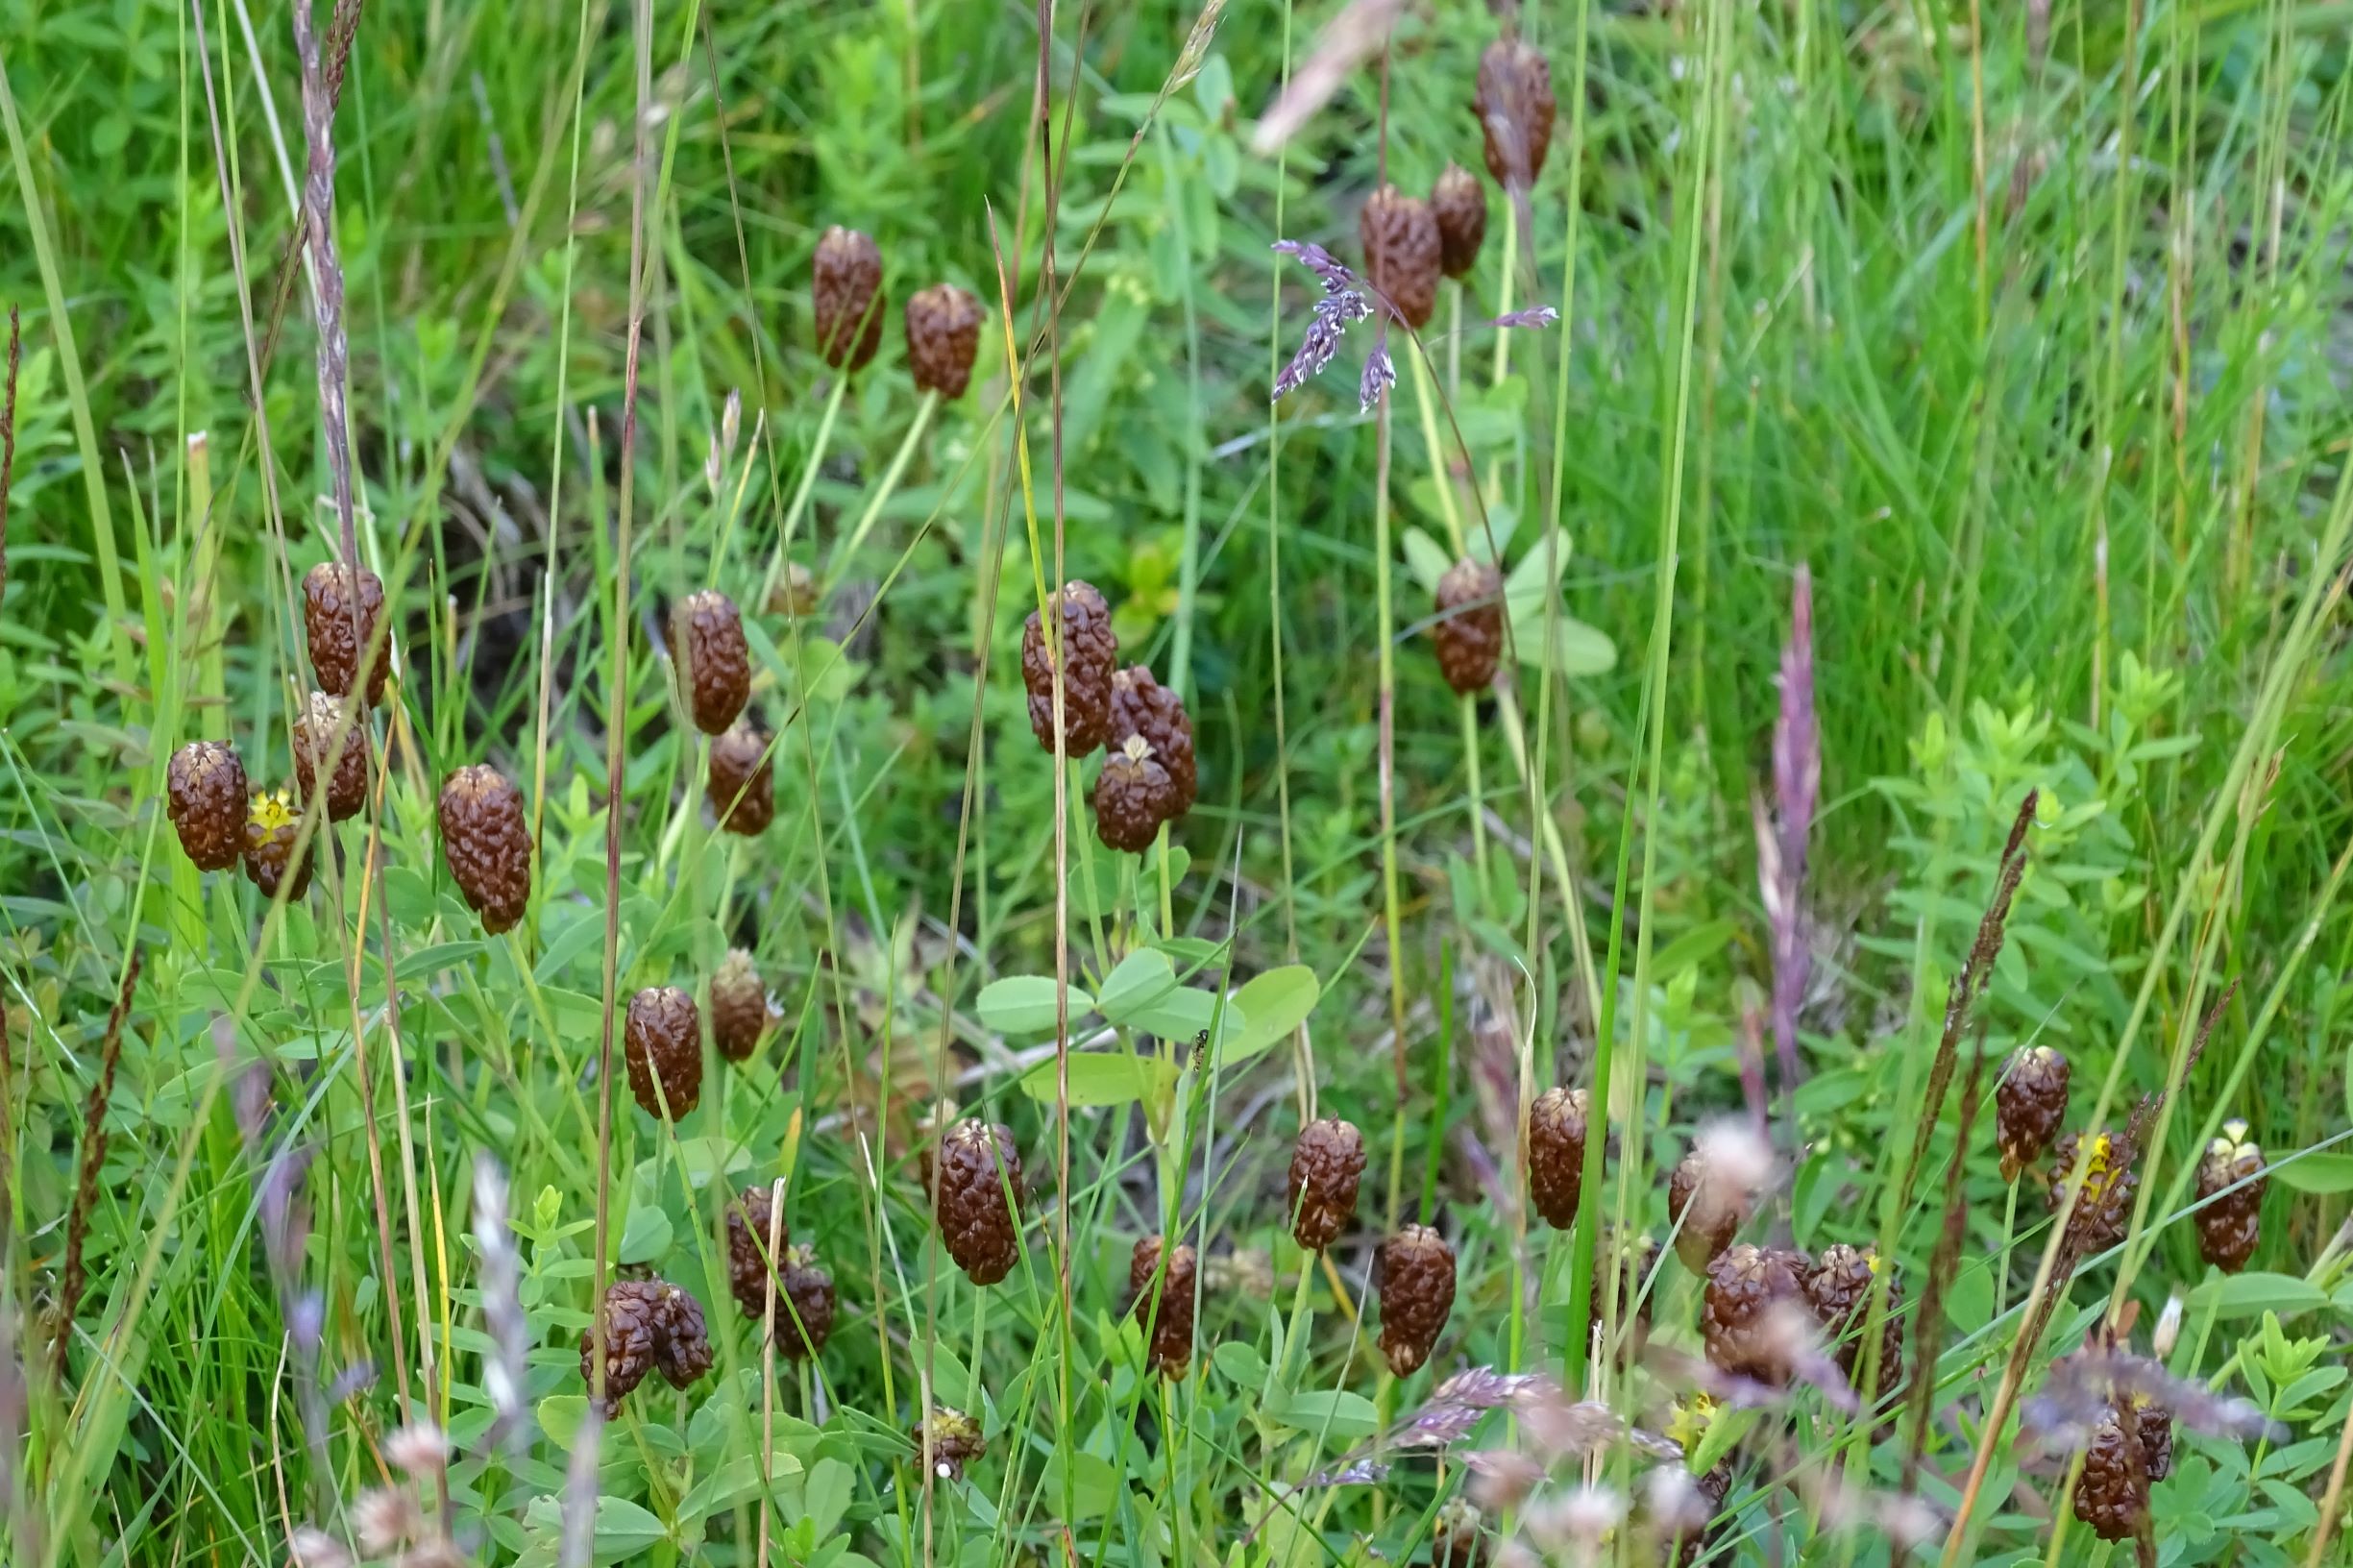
x=73 y=1279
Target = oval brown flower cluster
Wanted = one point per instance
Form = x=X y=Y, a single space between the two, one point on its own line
x=1402 y=252
x=1557 y=1155
x=845 y=297
x=942 y=339
x=272 y=825
x=339 y=639
x=1417 y=1295
x=326 y=744
x=1516 y=110
x=976 y=1183
x=2230 y=1224
x=207 y=800
x=1327 y=1164
x=1469 y=630
x=488 y=846
x=2029 y=1106
x=1164 y=1298
x=1084 y=628
x=1459 y=202
x=740 y=1009
x=1705 y=1210
x=662 y=1048
x=650 y=1325
x=1743 y=1319
x=741 y=781
x=802 y=1318
x=2104 y=1208
x=712 y=658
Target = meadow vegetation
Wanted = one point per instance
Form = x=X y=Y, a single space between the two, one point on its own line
x=1259 y=785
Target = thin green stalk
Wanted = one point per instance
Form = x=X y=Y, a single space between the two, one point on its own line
x=849 y=553
x=816 y=460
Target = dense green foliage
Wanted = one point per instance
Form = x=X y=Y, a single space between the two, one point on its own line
x=2025 y=333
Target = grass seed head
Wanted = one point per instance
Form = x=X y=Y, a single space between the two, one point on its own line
x=1088 y=677
x=1402 y=252
x=314 y=738
x=845 y=297
x=1469 y=630
x=713 y=662
x=662 y=1041
x=740 y=1010
x=2230 y=1226
x=1327 y=1164
x=1140 y=706
x=1164 y=1304
x=942 y=338
x=742 y=782
x=207 y=802
x=976 y=1169
x=327 y=622
x=1460 y=203
x=1557 y=1154
x=2029 y=1106
x=1417 y=1295
x=487 y=844
x=1515 y=108
x=272 y=823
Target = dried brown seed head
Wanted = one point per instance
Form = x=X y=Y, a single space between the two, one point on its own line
x=1469 y=630
x=804 y=1306
x=484 y=838
x=682 y=1351
x=1557 y=1155
x=2112 y=1494
x=1459 y=202
x=315 y=745
x=336 y=644
x=207 y=799
x=635 y=1323
x=713 y=660
x=1327 y=1164
x=1140 y=706
x=1133 y=795
x=2230 y=1225
x=1417 y=1295
x=942 y=338
x=2105 y=1208
x=1401 y=252
x=1087 y=680
x=1839 y=1289
x=742 y=782
x=2029 y=1106
x=740 y=1010
x=1164 y=1304
x=1516 y=110
x=273 y=821
x=662 y=1045
x=1705 y=1208
x=2156 y=1428
x=978 y=1180
x=845 y=297
x=949 y=1441
x=1745 y=1284
x=749 y=1218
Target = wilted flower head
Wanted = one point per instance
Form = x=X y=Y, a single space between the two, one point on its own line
x=1673 y=1501
x=313 y=1548
x=1501 y=1478
x=385 y=1519
x=419 y=1448
x=1736 y=1153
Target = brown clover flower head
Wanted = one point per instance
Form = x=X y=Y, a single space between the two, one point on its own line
x=1557 y=1155
x=949 y=1440
x=740 y=784
x=207 y=799
x=749 y=1218
x=845 y=296
x=1417 y=1295
x=1706 y=1208
x=942 y=339
x=335 y=645
x=740 y=1010
x=1745 y=1284
x=1469 y=630
x=2029 y=1106
x=1460 y=203
x=1164 y=1303
x=1133 y=795
x=1140 y=706
x=2230 y=1225
x=662 y=1048
x=713 y=660
x=1401 y=252
x=315 y=737
x=487 y=844
x=1516 y=110
x=2105 y=1208
x=977 y=1179
x=1087 y=691
x=1327 y=1164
